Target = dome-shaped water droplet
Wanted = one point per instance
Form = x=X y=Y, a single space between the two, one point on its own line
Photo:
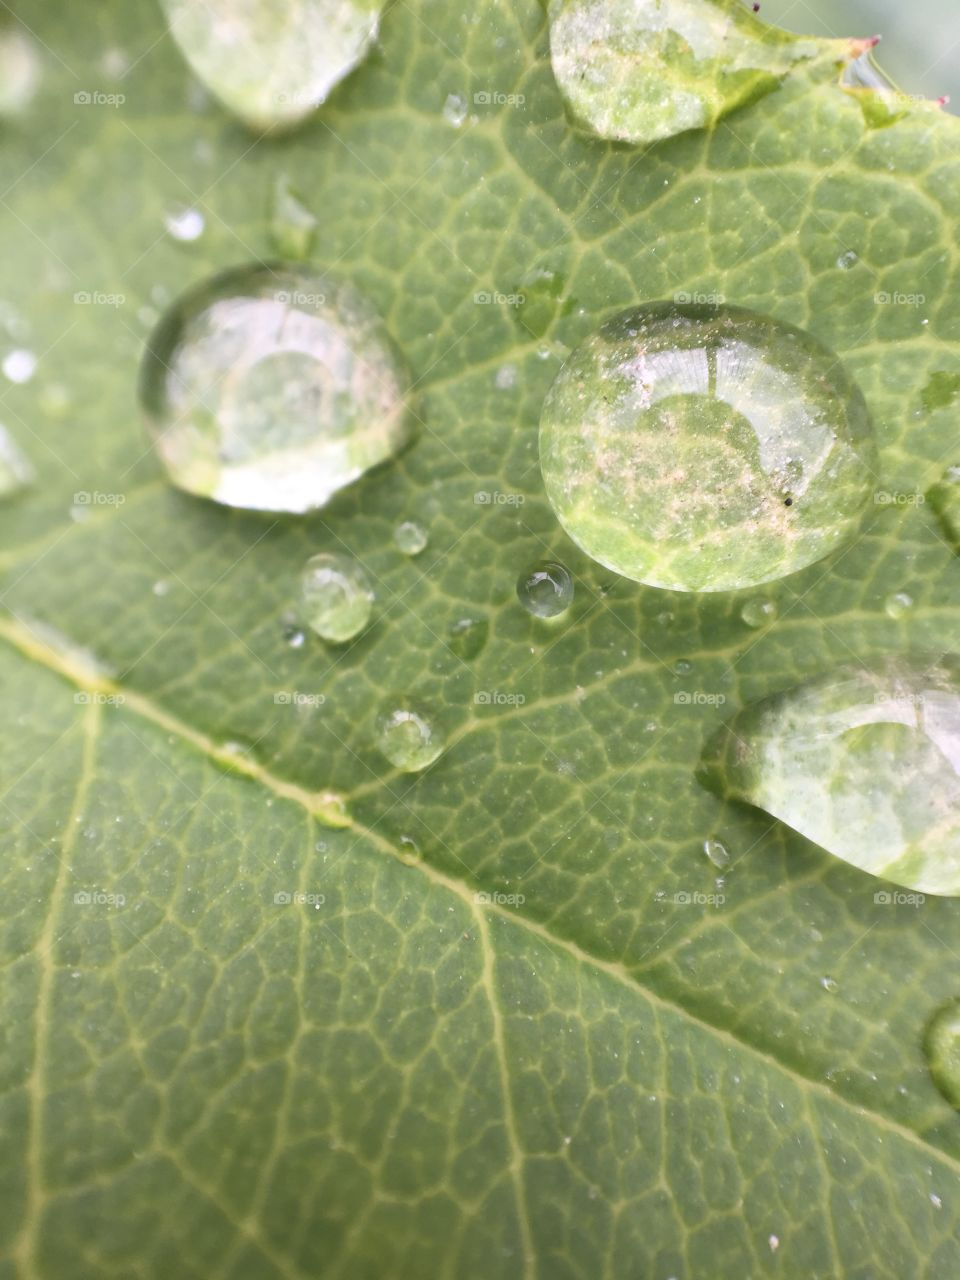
x=19 y=69
x=16 y=473
x=848 y=259
x=759 y=612
x=864 y=761
x=672 y=440
x=639 y=70
x=273 y=64
x=410 y=537
x=897 y=604
x=546 y=589
x=272 y=388
x=292 y=226
x=408 y=736
x=941 y=1045
x=467 y=637
x=337 y=597
x=717 y=853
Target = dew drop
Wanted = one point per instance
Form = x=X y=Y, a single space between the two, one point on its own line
x=941 y=1044
x=408 y=736
x=506 y=377
x=455 y=109
x=546 y=589
x=294 y=635
x=19 y=70
x=898 y=604
x=272 y=65
x=759 y=612
x=337 y=597
x=19 y=365
x=16 y=472
x=410 y=537
x=467 y=637
x=669 y=437
x=847 y=260
x=717 y=853
x=272 y=388
x=637 y=72
x=683 y=667
x=185 y=224
x=829 y=984
x=161 y=587
x=935 y=1200
x=863 y=760
x=293 y=227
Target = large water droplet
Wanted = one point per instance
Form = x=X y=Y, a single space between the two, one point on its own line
x=705 y=448
x=546 y=589
x=639 y=70
x=16 y=473
x=272 y=388
x=410 y=537
x=292 y=226
x=273 y=64
x=941 y=1044
x=337 y=597
x=408 y=737
x=864 y=760
x=19 y=70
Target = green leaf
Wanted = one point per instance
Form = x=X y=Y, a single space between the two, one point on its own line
x=594 y=1068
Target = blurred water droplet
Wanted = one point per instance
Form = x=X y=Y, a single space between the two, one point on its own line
x=185 y=224
x=19 y=365
x=293 y=227
x=898 y=604
x=20 y=70
x=455 y=109
x=829 y=984
x=16 y=472
x=337 y=597
x=847 y=260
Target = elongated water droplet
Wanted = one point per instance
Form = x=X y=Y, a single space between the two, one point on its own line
x=19 y=70
x=717 y=853
x=941 y=1044
x=337 y=597
x=705 y=448
x=16 y=473
x=293 y=227
x=408 y=736
x=467 y=637
x=546 y=589
x=272 y=388
x=273 y=64
x=944 y=499
x=898 y=604
x=864 y=760
x=759 y=612
x=639 y=70
x=410 y=537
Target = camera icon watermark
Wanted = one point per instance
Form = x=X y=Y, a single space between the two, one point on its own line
x=497 y=698
x=85 y=299
x=897 y=898
x=488 y=298
x=497 y=899
x=97 y=699
x=296 y=298
x=698 y=698
x=286 y=898
x=898 y=299
x=294 y=698
x=493 y=98
x=97 y=898
x=700 y=299
x=694 y=898
x=94 y=98
x=88 y=498
x=883 y=498
x=494 y=498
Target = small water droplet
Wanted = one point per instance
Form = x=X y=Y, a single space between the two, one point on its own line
x=272 y=388
x=20 y=69
x=408 y=737
x=16 y=473
x=161 y=587
x=185 y=224
x=455 y=109
x=774 y=1243
x=898 y=604
x=848 y=259
x=683 y=667
x=293 y=227
x=829 y=984
x=409 y=845
x=506 y=378
x=19 y=365
x=941 y=1045
x=337 y=597
x=936 y=1200
x=546 y=589
x=668 y=435
x=410 y=537
x=717 y=853
x=467 y=637
x=759 y=612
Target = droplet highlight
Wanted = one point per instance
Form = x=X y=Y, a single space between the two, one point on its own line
x=703 y=448
x=273 y=388
x=336 y=596
x=546 y=589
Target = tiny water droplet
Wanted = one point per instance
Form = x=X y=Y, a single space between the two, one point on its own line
x=467 y=637
x=19 y=365
x=829 y=984
x=409 y=845
x=936 y=1200
x=185 y=224
x=294 y=635
x=408 y=736
x=848 y=259
x=16 y=472
x=668 y=438
x=455 y=109
x=898 y=604
x=759 y=612
x=272 y=388
x=546 y=589
x=293 y=227
x=410 y=537
x=337 y=596
x=941 y=1045
x=272 y=65
x=717 y=853
x=683 y=667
